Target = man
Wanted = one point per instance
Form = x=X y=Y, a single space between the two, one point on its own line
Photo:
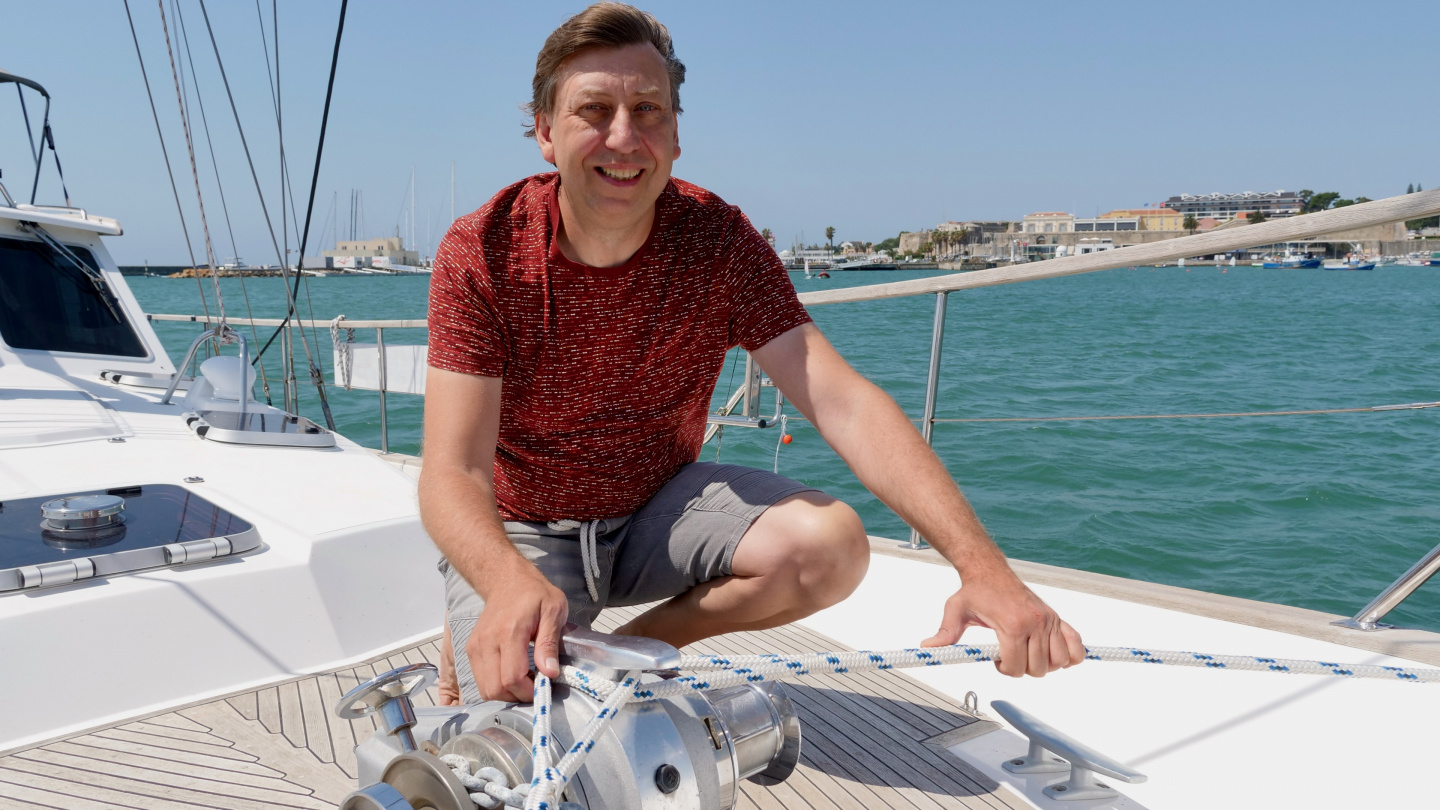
x=578 y=324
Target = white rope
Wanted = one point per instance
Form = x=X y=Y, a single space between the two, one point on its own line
x=589 y=550
x=722 y=671
x=549 y=782
x=346 y=349
x=488 y=787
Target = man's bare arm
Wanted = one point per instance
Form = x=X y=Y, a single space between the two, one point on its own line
x=875 y=438
x=457 y=505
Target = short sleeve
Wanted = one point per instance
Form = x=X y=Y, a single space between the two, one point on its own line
x=765 y=303
x=466 y=332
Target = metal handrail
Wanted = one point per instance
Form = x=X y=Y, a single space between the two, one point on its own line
x=224 y=334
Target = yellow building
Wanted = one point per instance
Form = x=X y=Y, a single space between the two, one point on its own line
x=1049 y=222
x=1151 y=219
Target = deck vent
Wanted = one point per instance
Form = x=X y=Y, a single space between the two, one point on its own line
x=83 y=512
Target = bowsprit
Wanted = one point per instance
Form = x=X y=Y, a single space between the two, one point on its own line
x=687 y=752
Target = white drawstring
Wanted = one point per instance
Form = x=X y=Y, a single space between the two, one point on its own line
x=589 y=550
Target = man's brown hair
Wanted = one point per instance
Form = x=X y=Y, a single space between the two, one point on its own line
x=603 y=25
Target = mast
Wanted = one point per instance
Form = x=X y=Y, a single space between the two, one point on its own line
x=452 y=192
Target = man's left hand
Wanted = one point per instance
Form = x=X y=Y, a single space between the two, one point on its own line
x=1033 y=638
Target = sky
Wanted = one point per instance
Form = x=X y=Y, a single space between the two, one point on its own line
x=871 y=118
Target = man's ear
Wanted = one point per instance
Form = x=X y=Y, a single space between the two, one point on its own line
x=542 y=137
x=677 y=140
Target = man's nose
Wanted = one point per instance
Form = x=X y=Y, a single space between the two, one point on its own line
x=622 y=136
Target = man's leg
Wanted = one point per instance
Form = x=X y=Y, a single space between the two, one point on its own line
x=557 y=555
x=805 y=553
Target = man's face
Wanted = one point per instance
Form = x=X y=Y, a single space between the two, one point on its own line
x=613 y=132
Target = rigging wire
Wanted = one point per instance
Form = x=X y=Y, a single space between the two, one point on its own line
x=314 y=372
x=183 y=36
x=273 y=79
x=194 y=171
x=285 y=174
x=166 y=153
x=285 y=165
x=314 y=180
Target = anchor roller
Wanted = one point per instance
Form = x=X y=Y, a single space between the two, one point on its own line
x=684 y=753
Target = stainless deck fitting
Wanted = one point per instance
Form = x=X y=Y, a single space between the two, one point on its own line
x=683 y=753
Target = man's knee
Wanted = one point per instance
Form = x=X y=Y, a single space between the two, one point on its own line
x=815 y=542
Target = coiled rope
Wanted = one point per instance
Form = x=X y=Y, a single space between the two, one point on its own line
x=718 y=671
x=345 y=348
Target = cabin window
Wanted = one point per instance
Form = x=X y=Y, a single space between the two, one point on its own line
x=49 y=304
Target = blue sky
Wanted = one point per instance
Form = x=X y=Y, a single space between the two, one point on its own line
x=869 y=117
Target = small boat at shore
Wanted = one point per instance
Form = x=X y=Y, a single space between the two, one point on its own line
x=1349 y=265
x=876 y=262
x=1291 y=261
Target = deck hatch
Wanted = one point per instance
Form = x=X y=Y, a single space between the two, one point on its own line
x=163 y=525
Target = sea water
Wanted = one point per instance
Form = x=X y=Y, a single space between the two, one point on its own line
x=1317 y=511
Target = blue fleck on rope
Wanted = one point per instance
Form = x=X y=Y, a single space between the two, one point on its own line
x=718 y=671
x=549 y=781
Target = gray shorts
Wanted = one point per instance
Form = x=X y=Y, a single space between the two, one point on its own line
x=685 y=535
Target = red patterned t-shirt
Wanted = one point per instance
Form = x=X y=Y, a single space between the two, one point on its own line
x=607 y=371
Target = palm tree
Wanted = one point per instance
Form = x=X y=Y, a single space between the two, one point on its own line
x=767 y=235
x=830 y=237
x=1190 y=223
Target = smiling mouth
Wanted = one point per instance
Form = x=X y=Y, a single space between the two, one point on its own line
x=621 y=175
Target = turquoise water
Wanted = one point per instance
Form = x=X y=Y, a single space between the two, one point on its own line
x=1315 y=511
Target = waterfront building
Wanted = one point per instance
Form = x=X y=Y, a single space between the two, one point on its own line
x=1113 y=221
x=1049 y=222
x=1148 y=219
x=1273 y=204
x=391 y=250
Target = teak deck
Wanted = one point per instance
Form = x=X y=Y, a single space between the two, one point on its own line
x=865 y=745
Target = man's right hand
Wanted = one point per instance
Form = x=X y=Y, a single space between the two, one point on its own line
x=525 y=608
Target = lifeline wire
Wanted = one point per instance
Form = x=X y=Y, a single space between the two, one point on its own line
x=1409 y=406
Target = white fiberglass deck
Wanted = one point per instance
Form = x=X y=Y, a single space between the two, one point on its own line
x=1205 y=738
